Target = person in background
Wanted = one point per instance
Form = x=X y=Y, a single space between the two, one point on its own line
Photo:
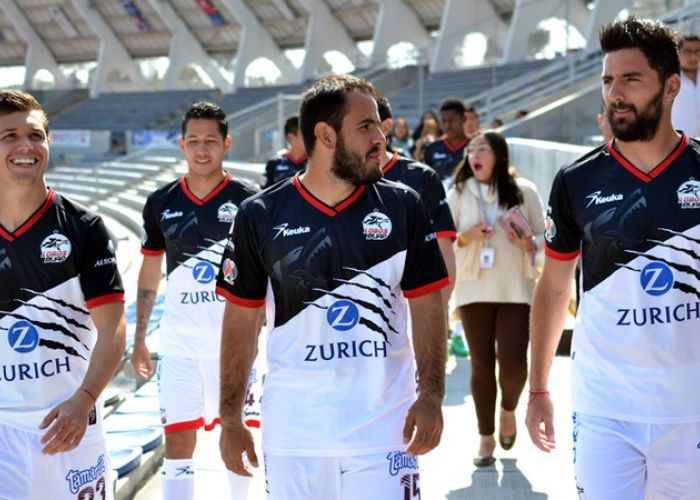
x=604 y=126
x=288 y=161
x=430 y=132
x=62 y=322
x=496 y=123
x=187 y=221
x=443 y=154
x=685 y=112
x=472 y=123
x=401 y=139
x=495 y=280
x=418 y=132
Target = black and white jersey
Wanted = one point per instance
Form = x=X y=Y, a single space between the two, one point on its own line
x=340 y=366
x=53 y=269
x=192 y=232
x=283 y=167
x=425 y=181
x=443 y=158
x=636 y=351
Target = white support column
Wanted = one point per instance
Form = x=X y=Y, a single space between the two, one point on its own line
x=481 y=17
x=394 y=13
x=38 y=54
x=527 y=15
x=604 y=11
x=185 y=49
x=325 y=32
x=255 y=41
x=112 y=53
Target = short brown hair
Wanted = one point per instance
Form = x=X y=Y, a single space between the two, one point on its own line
x=657 y=41
x=325 y=102
x=16 y=101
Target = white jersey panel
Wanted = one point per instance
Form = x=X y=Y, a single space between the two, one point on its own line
x=335 y=383
x=638 y=334
x=191 y=324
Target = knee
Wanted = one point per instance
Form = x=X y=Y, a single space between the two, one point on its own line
x=180 y=444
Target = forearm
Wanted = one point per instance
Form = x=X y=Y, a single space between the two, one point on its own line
x=238 y=349
x=448 y=255
x=109 y=347
x=148 y=281
x=429 y=332
x=548 y=314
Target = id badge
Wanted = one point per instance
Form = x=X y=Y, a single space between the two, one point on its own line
x=488 y=255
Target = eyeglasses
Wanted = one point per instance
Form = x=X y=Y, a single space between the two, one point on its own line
x=481 y=150
x=690 y=52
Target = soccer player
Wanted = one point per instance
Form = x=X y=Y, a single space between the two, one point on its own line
x=188 y=221
x=289 y=161
x=444 y=154
x=331 y=252
x=61 y=315
x=630 y=210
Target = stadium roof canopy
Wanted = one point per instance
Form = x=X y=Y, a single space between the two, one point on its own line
x=75 y=31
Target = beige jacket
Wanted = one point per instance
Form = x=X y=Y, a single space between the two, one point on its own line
x=512 y=278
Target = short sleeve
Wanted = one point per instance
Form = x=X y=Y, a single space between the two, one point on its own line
x=242 y=277
x=562 y=233
x=436 y=207
x=99 y=276
x=152 y=240
x=424 y=271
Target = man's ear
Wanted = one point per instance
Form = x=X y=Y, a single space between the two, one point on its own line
x=325 y=134
x=673 y=85
x=227 y=142
x=181 y=143
x=386 y=126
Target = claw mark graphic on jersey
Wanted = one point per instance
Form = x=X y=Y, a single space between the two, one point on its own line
x=379 y=281
x=371 y=290
x=678 y=285
x=44 y=325
x=57 y=346
x=60 y=302
x=68 y=320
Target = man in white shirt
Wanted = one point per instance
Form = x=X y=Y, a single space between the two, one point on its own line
x=685 y=113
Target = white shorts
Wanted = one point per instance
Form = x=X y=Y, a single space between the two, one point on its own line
x=379 y=476
x=84 y=473
x=634 y=461
x=189 y=393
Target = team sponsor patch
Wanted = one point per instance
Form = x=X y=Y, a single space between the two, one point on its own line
x=598 y=198
x=399 y=460
x=167 y=214
x=79 y=478
x=55 y=248
x=550 y=229
x=230 y=271
x=376 y=226
x=284 y=230
x=689 y=194
x=227 y=212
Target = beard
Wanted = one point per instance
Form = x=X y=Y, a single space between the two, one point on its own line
x=354 y=167
x=643 y=126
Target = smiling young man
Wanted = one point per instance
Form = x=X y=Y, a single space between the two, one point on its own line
x=630 y=210
x=332 y=253
x=61 y=314
x=188 y=221
x=444 y=154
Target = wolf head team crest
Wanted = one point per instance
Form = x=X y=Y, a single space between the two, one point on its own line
x=376 y=226
x=55 y=248
x=689 y=194
x=227 y=212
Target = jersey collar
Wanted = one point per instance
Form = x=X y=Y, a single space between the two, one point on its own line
x=212 y=193
x=319 y=205
x=657 y=170
x=454 y=149
x=33 y=219
x=394 y=160
x=296 y=161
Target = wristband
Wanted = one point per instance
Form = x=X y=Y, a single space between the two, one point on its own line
x=462 y=240
x=94 y=399
x=535 y=393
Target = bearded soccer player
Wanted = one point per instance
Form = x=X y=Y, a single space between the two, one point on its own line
x=630 y=210
x=61 y=313
x=330 y=252
x=188 y=221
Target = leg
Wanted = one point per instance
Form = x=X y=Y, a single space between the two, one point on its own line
x=381 y=476
x=673 y=462
x=512 y=337
x=16 y=474
x=479 y=325
x=302 y=478
x=608 y=458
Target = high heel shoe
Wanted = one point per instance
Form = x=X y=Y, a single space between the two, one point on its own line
x=486 y=461
x=507 y=442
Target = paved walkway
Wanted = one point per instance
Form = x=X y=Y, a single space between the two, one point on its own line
x=523 y=473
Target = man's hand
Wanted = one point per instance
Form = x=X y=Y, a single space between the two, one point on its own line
x=141 y=360
x=70 y=420
x=540 y=422
x=425 y=415
x=235 y=441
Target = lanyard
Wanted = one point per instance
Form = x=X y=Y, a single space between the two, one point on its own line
x=482 y=208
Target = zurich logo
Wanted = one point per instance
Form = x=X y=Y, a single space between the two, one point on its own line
x=203 y=272
x=23 y=337
x=656 y=278
x=342 y=315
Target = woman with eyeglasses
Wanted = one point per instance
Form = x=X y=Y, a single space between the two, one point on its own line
x=500 y=222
